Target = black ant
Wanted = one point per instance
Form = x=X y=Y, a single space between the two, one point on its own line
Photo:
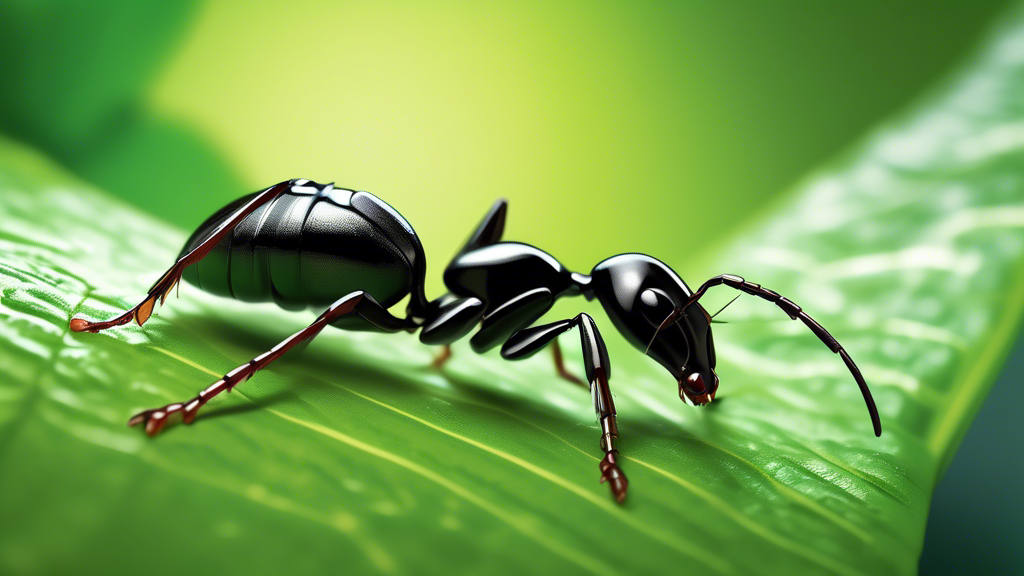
x=301 y=244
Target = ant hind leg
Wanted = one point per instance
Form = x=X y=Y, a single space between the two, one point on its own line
x=359 y=303
x=143 y=310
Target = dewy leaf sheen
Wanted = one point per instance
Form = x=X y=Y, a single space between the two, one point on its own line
x=356 y=456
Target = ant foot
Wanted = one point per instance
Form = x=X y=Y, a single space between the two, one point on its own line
x=154 y=420
x=611 y=472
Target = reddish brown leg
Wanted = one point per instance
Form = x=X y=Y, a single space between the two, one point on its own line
x=441 y=359
x=156 y=418
x=605 y=407
x=142 y=311
x=556 y=351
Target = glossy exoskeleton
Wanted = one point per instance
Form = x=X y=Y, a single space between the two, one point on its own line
x=302 y=244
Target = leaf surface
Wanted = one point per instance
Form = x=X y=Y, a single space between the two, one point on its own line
x=356 y=457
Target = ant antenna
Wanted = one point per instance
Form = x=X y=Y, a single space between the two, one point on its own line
x=724 y=307
x=664 y=323
x=795 y=313
x=673 y=316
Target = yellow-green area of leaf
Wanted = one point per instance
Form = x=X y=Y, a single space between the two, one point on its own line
x=357 y=457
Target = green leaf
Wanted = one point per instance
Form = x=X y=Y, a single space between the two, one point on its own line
x=355 y=456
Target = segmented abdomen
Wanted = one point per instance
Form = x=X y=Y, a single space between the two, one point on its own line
x=308 y=247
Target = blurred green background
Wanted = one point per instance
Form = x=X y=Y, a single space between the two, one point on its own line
x=585 y=116
x=610 y=127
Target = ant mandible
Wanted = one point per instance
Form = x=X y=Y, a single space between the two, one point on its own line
x=302 y=244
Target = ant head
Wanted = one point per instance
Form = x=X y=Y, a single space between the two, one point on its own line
x=643 y=297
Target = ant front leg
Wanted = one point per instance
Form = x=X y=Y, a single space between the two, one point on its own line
x=358 y=303
x=529 y=341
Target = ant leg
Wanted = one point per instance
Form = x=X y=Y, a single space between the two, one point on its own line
x=605 y=408
x=598 y=368
x=142 y=311
x=441 y=359
x=448 y=319
x=556 y=351
x=529 y=341
x=359 y=303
